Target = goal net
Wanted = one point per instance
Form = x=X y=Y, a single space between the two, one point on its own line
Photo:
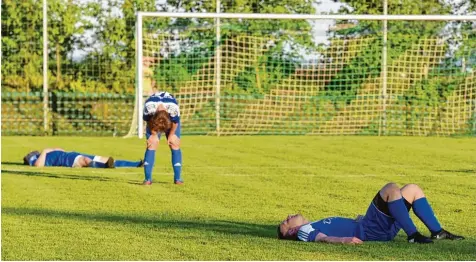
x=309 y=75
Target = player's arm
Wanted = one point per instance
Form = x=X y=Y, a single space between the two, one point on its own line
x=175 y=117
x=40 y=162
x=173 y=140
x=337 y=240
x=173 y=129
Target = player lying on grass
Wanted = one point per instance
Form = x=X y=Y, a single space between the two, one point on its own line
x=162 y=114
x=386 y=215
x=59 y=157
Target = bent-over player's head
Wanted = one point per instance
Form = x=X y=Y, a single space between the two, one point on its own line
x=160 y=121
x=289 y=227
x=30 y=158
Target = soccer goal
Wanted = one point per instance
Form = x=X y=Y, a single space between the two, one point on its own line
x=245 y=74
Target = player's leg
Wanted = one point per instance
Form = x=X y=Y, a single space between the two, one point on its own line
x=177 y=157
x=397 y=207
x=81 y=160
x=127 y=163
x=422 y=209
x=378 y=223
x=109 y=162
x=149 y=158
x=102 y=162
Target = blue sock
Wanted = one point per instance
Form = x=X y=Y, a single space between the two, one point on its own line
x=125 y=163
x=149 y=159
x=399 y=211
x=423 y=210
x=177 y=164
x=96 y=164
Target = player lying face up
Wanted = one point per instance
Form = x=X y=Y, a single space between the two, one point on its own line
x=385 y=217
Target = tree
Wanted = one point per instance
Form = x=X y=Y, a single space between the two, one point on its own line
x=64 y=24
x=21 y=44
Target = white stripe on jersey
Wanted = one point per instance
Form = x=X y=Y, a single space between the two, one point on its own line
x=304 y=231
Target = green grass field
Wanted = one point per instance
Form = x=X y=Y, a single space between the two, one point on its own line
x=237 y=189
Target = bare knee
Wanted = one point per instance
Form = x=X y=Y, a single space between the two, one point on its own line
x=152 y=146
x=412 y=192
x=82 y=162
x=412 y=187
x=390 y=192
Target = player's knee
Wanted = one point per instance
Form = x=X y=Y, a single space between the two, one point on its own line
x=83 y=162
x=153 y=146
x=390 y=189
x=175 y=146
x=414 y=188
x=391 y=186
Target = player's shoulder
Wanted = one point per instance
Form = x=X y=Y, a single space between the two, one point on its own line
x=305 y=231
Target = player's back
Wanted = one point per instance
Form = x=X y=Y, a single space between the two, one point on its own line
x=165 y=99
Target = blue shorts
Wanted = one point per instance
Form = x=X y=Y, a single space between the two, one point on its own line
x=377 y=223
x=177 y=132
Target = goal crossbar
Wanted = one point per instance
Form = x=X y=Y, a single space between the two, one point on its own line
x=310 y=16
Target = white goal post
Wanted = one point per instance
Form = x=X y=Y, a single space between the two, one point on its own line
x=138 y=124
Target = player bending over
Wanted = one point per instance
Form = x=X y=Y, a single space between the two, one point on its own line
x=162 y=114
x=386 y=215
x=59 y=157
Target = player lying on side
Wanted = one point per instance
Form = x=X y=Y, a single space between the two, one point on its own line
x=386 y=215
x=59 y=157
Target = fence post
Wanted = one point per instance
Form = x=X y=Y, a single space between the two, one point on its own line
x=217 y=69
x=474 y=117
x=383 y=122
x=139 y=76
x=45 y=68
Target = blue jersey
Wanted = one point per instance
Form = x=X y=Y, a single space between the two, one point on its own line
x=332 y=226
x=165 y=99
x=60 y=158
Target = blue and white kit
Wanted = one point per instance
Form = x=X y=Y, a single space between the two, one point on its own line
x=165 y=99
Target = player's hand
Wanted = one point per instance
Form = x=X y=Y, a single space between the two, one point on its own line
x=152 y=141
x=351 y=240
x=173 y=140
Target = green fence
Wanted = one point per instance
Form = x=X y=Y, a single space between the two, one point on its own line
x=96 y=114
x=89 y=114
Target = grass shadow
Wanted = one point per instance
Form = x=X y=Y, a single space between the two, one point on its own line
x=221 y=226
x=459 y=171
x=139 y=183
x=13 y=163
x=60 y=176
